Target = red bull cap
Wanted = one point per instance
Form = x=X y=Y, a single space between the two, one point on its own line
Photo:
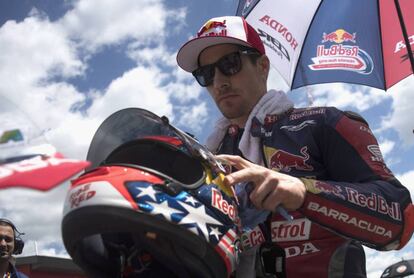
x=219 y=30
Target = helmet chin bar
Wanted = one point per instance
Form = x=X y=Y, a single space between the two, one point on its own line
x=133 y=253
x=109 y=242
x=135 y=257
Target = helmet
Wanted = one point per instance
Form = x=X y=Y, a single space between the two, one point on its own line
x=149 y=206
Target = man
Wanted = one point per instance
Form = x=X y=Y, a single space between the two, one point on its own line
x=321 y=164
x=9 y=244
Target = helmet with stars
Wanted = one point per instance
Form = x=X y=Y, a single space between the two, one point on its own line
x=151 y=205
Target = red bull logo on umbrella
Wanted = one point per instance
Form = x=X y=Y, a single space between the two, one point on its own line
x=213 y=28
x=339 y=36
x=340 y=55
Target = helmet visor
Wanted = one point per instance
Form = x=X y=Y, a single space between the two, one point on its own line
x=131 y=124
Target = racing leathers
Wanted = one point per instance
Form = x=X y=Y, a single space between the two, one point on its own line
x=352 y=197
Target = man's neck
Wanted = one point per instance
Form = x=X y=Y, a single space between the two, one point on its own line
x=240 y=122
x=4 y=267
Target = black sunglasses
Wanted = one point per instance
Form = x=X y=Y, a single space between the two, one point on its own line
x=229 y=64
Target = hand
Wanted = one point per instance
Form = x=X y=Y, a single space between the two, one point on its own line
x=271 y=188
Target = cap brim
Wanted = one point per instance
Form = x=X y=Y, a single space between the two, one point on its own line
x=187 y=57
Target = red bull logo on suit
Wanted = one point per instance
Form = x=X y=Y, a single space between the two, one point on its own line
x=317 y=187
x=284 y=161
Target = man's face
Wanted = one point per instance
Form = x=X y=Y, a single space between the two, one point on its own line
x=6 y=242
x=236 y=95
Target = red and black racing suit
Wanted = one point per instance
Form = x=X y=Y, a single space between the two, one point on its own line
x=352 y=197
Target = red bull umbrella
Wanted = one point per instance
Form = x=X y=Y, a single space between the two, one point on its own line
x=321 y=41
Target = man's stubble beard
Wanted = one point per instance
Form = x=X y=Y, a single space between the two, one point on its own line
x=234 y=111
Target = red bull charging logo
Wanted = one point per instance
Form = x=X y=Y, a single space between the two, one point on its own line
x=339 y=36
x=213 y=28
x=339 y=51
x=284 y=161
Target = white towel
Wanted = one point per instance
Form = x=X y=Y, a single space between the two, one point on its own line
x=273 y=102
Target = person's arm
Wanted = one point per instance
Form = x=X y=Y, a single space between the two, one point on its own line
x=362 y=199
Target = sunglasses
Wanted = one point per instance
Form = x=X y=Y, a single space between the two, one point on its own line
x=228 y=65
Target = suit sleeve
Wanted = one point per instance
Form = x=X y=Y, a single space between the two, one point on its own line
x=361 y=199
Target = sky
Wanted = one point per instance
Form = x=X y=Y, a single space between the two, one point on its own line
x=67 y=65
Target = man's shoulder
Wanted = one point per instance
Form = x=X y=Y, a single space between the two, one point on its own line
x=16 y=273
x=314 y=112
x=317 y=116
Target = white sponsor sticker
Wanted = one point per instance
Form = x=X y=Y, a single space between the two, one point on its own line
x=94 y=193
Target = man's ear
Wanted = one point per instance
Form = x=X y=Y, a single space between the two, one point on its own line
x=263 y=64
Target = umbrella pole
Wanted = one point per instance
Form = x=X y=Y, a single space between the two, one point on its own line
x=405 y=35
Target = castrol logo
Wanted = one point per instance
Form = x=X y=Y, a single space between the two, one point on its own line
x=298 y=229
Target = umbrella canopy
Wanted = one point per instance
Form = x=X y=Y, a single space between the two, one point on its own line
x=321 y=41
x=400 y=269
